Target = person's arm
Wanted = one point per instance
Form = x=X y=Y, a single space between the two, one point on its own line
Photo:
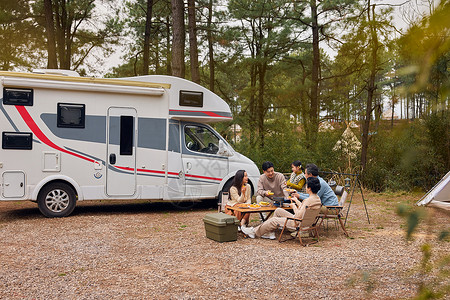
x=260 y=191
x=302 y=196
x=283 y=185
x=300 y=212
x=234 y=195
x=299 y=185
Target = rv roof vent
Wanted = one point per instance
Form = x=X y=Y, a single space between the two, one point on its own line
x=56 y=72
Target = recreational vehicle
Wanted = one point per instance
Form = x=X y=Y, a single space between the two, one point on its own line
x=67 y=138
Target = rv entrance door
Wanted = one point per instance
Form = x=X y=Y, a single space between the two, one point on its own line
x=121 y=152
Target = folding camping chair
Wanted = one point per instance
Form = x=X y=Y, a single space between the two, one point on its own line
x=223 y=199
x=307 y=224
x=335 y=212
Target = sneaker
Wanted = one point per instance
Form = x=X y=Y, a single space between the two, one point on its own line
x=248 y=231
x=269 y=235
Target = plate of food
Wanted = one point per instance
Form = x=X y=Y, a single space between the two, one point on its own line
x=263 y=203
x=254 y=206
x=243 y=205
x=289 y=190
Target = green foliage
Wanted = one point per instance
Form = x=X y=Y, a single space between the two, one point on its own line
x=411 y=155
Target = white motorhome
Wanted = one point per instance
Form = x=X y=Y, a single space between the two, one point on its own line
x=67 y=138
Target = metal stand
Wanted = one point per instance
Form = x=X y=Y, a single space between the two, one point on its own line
x=352 y=186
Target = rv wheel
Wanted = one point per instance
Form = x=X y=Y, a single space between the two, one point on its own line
x=56 y=200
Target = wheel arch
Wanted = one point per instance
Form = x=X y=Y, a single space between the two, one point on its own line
x=57 y=179
x=230 y=179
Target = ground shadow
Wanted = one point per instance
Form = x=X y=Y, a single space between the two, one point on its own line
x=110 y=207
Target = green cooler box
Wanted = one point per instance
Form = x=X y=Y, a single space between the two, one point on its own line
x=221 y=227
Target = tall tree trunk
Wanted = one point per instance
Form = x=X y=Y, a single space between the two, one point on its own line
x=169 y=49
x=210 y=46
x=371 y=86
x=178 y=68
x=252 y=105
x=60 y=25
x=261 y=107
x=193 y=47
x=148 y=28
x=52 y=62
x=313 y=125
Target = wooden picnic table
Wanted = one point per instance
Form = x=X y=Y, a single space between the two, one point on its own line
x=263 y=209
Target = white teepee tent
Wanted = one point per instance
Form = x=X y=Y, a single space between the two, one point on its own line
x=439 y=195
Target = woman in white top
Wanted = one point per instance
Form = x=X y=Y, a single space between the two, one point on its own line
x=240 y=192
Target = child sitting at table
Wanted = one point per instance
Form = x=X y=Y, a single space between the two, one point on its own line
x=267 y=229
x=297 y=179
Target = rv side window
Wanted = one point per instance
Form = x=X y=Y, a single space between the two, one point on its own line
x=201 y=139
x=14 y=96
x=71 y=115
x=126 y=135
x=189 y=98
x=17 y=140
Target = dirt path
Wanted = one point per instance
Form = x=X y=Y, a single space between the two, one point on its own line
x=117 y=250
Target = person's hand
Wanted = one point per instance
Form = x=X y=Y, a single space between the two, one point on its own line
x=269 y=193
x=292 y=205
x=243 y=189
x=296 y=195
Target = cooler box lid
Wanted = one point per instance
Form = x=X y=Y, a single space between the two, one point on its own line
x=220 y=219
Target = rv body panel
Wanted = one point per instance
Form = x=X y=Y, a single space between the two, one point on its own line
x=133 y=138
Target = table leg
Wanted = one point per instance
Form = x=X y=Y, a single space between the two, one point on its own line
x=266 y=217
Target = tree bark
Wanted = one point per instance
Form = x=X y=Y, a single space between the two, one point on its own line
x=169 y=49
x=210 y=47
x=52 y=62
x=193 y=47
x=371 y=86
x=313 y=126
x=146 y=48
x=178 y=68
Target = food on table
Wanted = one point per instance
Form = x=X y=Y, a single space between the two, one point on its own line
x=254 y=206
x=289 y=190
x=262 y=203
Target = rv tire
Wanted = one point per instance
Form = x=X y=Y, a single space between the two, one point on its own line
x=56 y=200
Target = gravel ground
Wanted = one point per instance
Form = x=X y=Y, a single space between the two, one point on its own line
x=121 y=250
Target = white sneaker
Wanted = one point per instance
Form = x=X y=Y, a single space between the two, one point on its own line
x=269 y=235
x=250 y=231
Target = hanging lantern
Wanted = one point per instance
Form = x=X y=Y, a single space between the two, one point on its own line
x=348 y=182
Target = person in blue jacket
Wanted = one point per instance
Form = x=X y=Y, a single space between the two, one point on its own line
x=326 y=194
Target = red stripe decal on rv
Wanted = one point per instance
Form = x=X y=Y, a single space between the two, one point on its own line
x=203 y=177
x=41 y=136
x=209 y=113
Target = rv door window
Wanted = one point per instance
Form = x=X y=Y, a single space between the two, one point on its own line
x=71 y=115
x=13 y=96
x=201 y=139
x=126 y=135
x=17 y=140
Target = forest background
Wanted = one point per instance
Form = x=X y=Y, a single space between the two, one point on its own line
x=270 y=61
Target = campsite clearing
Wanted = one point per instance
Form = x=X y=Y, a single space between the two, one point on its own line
x=123 y=250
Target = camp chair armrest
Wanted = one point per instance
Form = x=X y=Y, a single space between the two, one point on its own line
x=295 y=219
